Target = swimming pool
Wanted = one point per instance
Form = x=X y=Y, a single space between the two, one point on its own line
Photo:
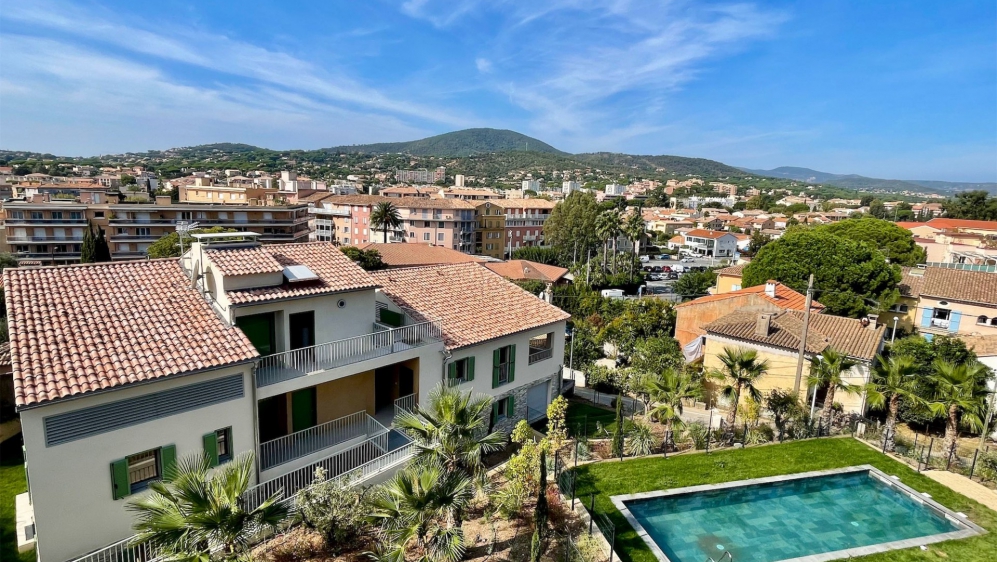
x=809 y=517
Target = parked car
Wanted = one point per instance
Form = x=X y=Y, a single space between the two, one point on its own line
x=648 y=268
x=688 y=260
x=664 y=257
x=613 y=293
x=645 y=259
x=656 y=268
x=673 y=276
x=677 y=268
x=666 y=269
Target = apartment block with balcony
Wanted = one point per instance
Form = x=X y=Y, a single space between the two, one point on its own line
x=524 y=221
x=49 y=231
x=489 y=236
x=291 y=352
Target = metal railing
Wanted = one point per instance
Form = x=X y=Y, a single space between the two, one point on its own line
x=301 y=362
x=122 y=550
x=987 y=268
x=537 y=355
x=405 y=404
x=307 y=441
x=533 y=414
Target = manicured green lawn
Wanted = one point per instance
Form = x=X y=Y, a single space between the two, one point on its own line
x=591 y=417
x=12 y=483
x=613 y=478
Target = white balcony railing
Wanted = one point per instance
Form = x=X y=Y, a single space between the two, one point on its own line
x=537 y=355
x=307 y=441
x=301 y=362
x=942 y=323
x=405 y=404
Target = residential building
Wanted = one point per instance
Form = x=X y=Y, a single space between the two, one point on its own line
x=713 y=243
x=524 y=221
x=775 y=337
x=489 y=235
x=291 y=352
x=458 y=180
x=615 y=190
x=904 y=311
x=531 y=185
x=422 y=175
x=729 y=279
x=407 y=191
x=468 y=194
x=691 y=316
x=441 y=222
x=525 y=270
x=290 y=186
x=568 y=186
x=955 y=301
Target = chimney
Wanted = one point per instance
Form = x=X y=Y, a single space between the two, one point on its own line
x=763 y=324
x=162 y=200
x=770 y=289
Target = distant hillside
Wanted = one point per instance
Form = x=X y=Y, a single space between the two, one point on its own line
x=854 y=181
x=673 y=164
x=458 y=143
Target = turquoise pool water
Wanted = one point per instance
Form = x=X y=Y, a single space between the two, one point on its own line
x=784 y=520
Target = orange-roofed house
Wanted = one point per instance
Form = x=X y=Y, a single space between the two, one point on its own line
x=691 y=316
x=713 y=243
x=525 y=270
x=290 y=352
x=419 y=255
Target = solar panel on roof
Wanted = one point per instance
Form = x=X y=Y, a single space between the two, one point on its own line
x=297 y=273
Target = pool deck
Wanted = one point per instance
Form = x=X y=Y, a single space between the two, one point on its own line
x=969 y=528
x=965 y=486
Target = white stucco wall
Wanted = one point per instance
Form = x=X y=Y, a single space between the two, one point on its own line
x=332 y=323
x=70 y=483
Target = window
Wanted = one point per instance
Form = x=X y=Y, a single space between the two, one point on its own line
x=425 y=236
x=143 y=231
x=503 y=365
x=899 y=308
x=439 y=236
x=21 y=249
x=186 y=215
x=981 y=319
x=735 y=287
x=503 y=408
x=993 y=321
x=441 y=225
x=461 y=370
x=57 y=215
x=218 y=446
x=98 y=214
x=36 y=215
x=17 y=214
x=134 y=473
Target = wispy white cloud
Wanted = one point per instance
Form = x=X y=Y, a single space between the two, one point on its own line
x=484 y=65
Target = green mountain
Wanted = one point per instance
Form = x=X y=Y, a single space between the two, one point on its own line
x=458 y=143
x=854 y=181
x=672 y=164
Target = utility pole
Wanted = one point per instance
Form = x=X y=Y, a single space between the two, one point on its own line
x=803 y=336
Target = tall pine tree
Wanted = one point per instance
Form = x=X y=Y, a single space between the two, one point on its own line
x=102 y=252
x=88 y=252
x=618 y=434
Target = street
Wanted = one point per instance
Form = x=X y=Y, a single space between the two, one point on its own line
x=663 y=289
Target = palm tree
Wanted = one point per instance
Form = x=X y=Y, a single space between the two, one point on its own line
x=635 y=228
x=741 y=368
x=892 y=380
x=826 y=371
x=960 y=395
x=450 y=431
x=607 y=226
x=424 y=505
x=197 y=513
x=384 y=216
x=667 y=392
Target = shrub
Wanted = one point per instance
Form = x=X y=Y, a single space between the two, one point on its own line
x=760 y=434
x=589 y=548
x=640 y=440
x=584 y=452
x=986 y=466
x=696 y=432
x=336 y=509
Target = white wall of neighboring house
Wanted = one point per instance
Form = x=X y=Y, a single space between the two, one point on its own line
x=332 y=322
x=526 y=375
x=70 y=483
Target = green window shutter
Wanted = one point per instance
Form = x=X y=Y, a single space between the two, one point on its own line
x=470 y=368
x=452 y=372
x=168 y=458
x=495 y=405
x=211 y=448
x=496 y=357
x=511 y=409
x=512 y=362
x=119 y=479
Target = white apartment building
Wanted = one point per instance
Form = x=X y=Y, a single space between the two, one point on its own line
x=568 y=186
x=289 y=185
x=615 y=190
x=458 y=180
x=713 y=243
x=531 y=185
x=290 y=352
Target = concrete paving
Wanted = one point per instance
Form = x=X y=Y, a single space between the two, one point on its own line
x=964 y=486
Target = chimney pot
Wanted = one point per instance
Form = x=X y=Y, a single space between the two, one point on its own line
x=770 y=289
x=763 y=324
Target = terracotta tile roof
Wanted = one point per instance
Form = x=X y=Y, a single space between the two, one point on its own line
x=700 y=233
x=243 y=261
x=956 y=284
x=519 y=270
x=846 y=335
x=984 y=346
x=910 y=225
x=911 y=283
x=678 y=239
x=315 y=197
x=473 y=304
x=336 y=273
x=524 y=203
x=943 y=223
x=785 y=297
x=5 y=354
x=81 y=328
x=734 y=270
x=414 y=255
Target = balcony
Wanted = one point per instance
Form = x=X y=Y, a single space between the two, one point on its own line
x=44 y=221
x=46 y=239
x=940 y=323
x=324 y=436
x=537 y=355
x=305 y=361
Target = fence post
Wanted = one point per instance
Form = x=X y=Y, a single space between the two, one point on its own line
x=948 y=462
x=916 y=435
x=973 y=468
x=931 y=445
x=612 y=544
x=591 y=512
x=709 y=430
x=886 y=437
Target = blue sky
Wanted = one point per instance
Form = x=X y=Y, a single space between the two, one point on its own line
x=885 y=89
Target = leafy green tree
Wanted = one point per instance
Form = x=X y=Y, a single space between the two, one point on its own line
x=923 y=354
x=639 y=320
x=541 y=254
x=193 y=510
x=336 y=508
x=168 y=246
x=739 y=372
x=657 y=355
x=959 y=397
x=850 y=277
x=384 y=216
x=127 y=179
x=668 y=390
x=784 y=406
x=422 y=505
x=877 y=209
x=972 y=205
x=895 y=242
x=452 y=431
x=695 y=284
x=758 y=241
x=608 y=228
x=369 y=260
x=827 y=370
x=571 y=225
x=634 y=228
x=892 y=379
x=88 y=250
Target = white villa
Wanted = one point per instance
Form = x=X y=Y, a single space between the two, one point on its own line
x=291 y=352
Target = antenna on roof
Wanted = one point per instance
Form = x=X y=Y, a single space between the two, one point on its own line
x=184 y=228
